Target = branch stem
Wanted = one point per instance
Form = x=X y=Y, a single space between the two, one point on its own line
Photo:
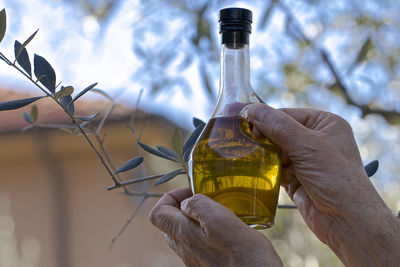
x=133 y=181
x=287 y=207
x=115 y=238
x=144 y=194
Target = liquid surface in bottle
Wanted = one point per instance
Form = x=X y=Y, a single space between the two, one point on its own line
x=237 y=170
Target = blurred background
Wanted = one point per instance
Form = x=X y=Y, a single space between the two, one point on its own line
x=340 y=56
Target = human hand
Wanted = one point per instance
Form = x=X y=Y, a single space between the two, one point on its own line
x=323 y=174
x=205 y=233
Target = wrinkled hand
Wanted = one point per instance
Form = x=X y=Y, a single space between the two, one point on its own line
x=205 y=233
x=324 y=175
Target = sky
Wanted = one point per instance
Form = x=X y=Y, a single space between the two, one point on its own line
x=82 y=52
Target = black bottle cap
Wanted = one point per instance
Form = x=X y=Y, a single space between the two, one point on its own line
x=235 y=25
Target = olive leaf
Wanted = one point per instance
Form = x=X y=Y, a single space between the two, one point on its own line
x=188 y=145
x=166 y=177
x=197 y=122
x=167 y=151
x=64 y=91
x=44 y=72
x=130 y=164
x=66 y=102
x=27 y=117
x=34 y=113
x=3 y=24
x=101 y=92
x=371 y=168
x=26 y=43
x=19 y=103
x=22 y=47
x=177 y=141
x=22 y=58
x=156 y=152
x=87 y=118
x=84 y=91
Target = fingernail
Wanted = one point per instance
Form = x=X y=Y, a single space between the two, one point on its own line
x=254 y=111
x=184 y=204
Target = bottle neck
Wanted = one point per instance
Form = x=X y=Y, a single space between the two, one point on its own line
x=235 y=89
x=235 y=67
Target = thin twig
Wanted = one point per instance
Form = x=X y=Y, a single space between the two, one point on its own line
x=102 y=147
x=144 y=194
x=108 y=158
x=287 y=207
x=97 y=152
x=3 y=57
x=132 y=122
x=137 y=137
x=103 y=120
x=58 y=126
x=115 y=238
x=106 y=155
x=136 y=180
x=144 y=125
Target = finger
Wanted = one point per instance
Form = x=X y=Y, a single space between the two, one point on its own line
x=289 y=180
x=171 y=242
x=277 y=125
x=188 y=252
x=304 y=116
x=175 y=197
x=292 y=187
x=233 y=109
x=207 y=212
x=288 y=174
x=167 y=216
x=304 y=204
x=285 y=158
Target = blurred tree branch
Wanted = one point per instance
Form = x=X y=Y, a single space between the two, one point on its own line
x=338 y=86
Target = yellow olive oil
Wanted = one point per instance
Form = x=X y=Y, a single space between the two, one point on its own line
x=238 y=170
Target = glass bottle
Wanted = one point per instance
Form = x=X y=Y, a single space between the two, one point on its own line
x=228 y=163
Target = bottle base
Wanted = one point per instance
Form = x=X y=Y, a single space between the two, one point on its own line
x=258 y=223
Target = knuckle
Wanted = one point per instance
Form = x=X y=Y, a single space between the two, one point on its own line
x=199 y=197
x=339 y=120
x=263 y=115
x=160 y=219
x=193 y=202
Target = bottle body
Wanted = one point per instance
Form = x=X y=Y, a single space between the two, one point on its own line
x=228 y=163
x=238 y=170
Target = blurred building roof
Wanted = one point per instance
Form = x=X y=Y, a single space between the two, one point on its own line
x=50 y=113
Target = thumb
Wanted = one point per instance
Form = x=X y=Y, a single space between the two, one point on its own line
x=207 y=212
x=277 y=125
